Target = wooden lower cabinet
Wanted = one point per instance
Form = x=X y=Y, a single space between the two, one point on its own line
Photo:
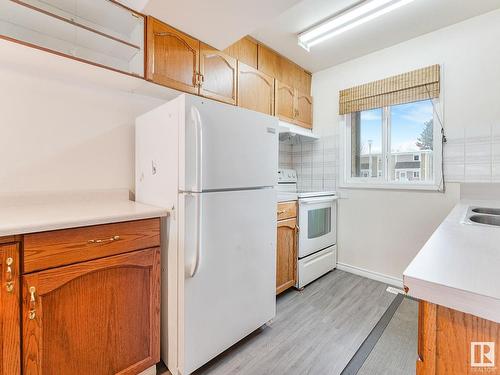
x=286 y=255
x=255 y=90
x=445 y=338
x=10 y=341
x=96 y=317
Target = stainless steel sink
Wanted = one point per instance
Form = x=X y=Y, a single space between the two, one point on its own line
x=482 y=216
x=486 y=210
x=486 y=219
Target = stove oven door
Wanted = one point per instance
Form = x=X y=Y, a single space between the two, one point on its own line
x=317 y=222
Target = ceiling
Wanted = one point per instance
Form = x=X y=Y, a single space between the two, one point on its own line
x=276 y=23
x=219 y=23
x=417 y=18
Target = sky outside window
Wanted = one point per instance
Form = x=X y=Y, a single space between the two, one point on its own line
x=408 y=121
x=371 y=130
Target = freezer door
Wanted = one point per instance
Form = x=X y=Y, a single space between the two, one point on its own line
x=229 y=271
x=226 y=147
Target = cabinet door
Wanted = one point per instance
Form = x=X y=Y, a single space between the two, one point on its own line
x=269 y=62
x=285 y=102
x=244 y=50
x=305 y=82
x=286 y=255
x=97 y=317
x=304 y=112
x=173 y=57
x=290 y=72
x=255 y=90
x=10 y=343
x=218 y=73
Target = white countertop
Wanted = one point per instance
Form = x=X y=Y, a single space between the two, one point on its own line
x=459 y=266
x=37 y=212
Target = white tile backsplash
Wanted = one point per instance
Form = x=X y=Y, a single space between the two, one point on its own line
x=285 y=155
x=478 y=164
x=468 y=157
x=315 y=162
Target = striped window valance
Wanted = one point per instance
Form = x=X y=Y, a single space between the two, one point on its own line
x=409 y=87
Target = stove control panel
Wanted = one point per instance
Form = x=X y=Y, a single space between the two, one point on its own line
x=287 y=176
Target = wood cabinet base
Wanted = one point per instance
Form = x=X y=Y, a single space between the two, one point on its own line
x=445 y=342
x=286 y=255
x=10 y=340
x=96 y=317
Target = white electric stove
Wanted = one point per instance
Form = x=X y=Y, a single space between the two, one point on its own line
x=317 y=219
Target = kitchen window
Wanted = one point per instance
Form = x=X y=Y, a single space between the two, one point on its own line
x=396 y=146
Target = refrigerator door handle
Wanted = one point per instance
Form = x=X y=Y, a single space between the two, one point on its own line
x=195 y=114
x=198 y=213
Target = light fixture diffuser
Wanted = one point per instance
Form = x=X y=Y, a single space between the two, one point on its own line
x=348 y=20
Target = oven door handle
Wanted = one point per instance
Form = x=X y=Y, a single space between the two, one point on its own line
x=317 y=200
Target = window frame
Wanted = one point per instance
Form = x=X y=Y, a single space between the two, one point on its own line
x=384 y=182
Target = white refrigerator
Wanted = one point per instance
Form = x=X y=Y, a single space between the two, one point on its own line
x=214 y=166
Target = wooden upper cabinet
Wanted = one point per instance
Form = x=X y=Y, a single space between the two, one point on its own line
x=290 y=72
x=255 y=89
x=304 y=82
x=285 y=102
x=173 y=57
x=283 y=70
x=244 y=50
x=269 y=62
x=99 y=317
x=218 y=73
x=304 y=114
x=10 y=342
x=286 y=255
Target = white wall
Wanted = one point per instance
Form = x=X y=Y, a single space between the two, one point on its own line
x=56 y=136
x=381 y=231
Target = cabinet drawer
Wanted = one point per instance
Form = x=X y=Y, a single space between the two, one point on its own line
x=61 y=247
x=287 y=210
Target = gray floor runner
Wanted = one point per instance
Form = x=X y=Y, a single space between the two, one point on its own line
x=391 y=347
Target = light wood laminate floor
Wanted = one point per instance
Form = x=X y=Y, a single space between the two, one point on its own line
x=315 y=331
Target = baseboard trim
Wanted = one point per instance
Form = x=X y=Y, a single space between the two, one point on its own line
x=391 y=280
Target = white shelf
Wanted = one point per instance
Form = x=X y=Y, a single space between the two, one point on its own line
x=102 y=15
x=34 y=62
x=36 y=23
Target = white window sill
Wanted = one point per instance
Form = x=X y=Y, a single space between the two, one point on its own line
x=389 y=186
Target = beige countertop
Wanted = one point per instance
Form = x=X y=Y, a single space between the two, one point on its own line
x=459 y=266
x=37 y=212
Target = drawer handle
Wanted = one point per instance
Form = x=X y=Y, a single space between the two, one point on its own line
x=32 y=311
x=114 y=238
x=281 y=212
x=10 y=283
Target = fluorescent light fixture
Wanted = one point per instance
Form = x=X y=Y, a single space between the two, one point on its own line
x=359 y=15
